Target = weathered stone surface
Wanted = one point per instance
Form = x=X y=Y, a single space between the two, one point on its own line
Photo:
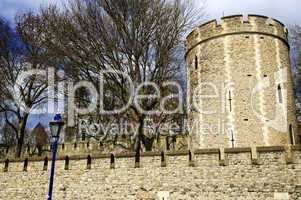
x=238 y=179
x=229 y=61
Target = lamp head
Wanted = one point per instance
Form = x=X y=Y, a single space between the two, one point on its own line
x=56 y=126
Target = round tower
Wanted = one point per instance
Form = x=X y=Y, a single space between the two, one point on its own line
x=240 y=84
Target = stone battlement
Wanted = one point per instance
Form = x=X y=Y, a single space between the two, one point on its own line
x=209 y=174
x=85 y=147
x=201 y=157
x=76 y=148
x=237 y=24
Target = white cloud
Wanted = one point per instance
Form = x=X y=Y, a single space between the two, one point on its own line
x=9 y=8
x=286 y=11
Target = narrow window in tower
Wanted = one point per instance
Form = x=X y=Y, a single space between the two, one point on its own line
x=196 y=62
x=230 y=101
x=291 y=132
x=279 y=89
x=232 y=139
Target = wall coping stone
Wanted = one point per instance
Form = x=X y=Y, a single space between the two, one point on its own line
x=207 y=151
x=271 y=149
x=238 y=150
x=95 y=155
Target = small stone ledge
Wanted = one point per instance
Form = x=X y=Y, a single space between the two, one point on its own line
x=100 y=155
x=238 y=150
x=258 y=16
x=150 y=154
x=177 y=153
x=231 y=16
x=125 y=155
x=206 y=151
x=270 y=149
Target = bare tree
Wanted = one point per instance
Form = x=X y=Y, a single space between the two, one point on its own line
x=8 y=136
x=19 y=98
x=141 y=38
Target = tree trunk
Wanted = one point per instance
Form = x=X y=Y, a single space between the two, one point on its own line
x=140 y=134
x=21 y=134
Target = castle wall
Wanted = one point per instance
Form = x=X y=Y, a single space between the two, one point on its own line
x=236 y=173
x=239 y=66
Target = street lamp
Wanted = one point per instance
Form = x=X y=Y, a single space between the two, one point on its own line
x=55 y=128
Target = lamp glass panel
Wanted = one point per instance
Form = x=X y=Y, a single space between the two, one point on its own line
x=54 y=128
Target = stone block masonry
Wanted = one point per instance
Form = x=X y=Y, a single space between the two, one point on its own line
x=263 y=173
x=238 y=51
x=240 y=88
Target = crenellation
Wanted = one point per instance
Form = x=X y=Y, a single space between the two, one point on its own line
x=258 y=20
x=60 y=165
x=208 y=25
x=16 y=166
x=202 y=157
x=100 y=163
x=238 y=177
x=241 y=54
x=239 y=159
x=125 y=162
x=177 y=161
x=256 y=24
x=206 y=160
x=35 y=166
x=232 y=21
x=79 y=164
x=153 y=161
x=268 y=158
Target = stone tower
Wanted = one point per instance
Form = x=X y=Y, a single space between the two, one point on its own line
x=240 y=84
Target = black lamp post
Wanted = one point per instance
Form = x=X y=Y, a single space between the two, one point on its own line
x=55 y=127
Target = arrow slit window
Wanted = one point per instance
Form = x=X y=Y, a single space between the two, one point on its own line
x=279 y=90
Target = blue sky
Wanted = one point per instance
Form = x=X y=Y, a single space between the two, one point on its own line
x=287 y=11
x=9 y=8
